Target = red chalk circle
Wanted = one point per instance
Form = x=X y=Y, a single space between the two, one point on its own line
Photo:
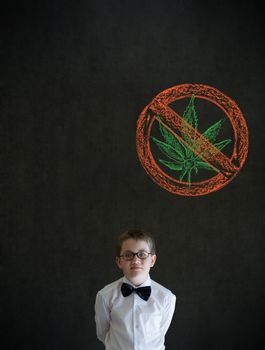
x=229 y=166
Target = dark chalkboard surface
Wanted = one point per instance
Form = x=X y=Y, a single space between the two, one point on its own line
x=75 y=75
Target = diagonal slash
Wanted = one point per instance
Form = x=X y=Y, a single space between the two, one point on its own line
x=199 y=144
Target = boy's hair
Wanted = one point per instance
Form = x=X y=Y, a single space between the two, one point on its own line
x=137 y=235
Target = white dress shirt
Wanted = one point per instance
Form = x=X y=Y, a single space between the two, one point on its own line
x=131 y=323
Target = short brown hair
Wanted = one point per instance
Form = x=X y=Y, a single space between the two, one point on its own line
x=137 y=235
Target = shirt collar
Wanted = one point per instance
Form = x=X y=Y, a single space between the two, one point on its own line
x=146 y=283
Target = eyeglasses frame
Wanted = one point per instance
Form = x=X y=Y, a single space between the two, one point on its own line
x=136 y=254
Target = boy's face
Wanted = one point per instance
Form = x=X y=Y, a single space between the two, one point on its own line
x=136 y=270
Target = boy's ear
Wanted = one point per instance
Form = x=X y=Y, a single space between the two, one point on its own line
x=153 y=260
x=118 y=262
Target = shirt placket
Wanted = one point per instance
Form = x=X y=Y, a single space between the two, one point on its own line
x=136 y=336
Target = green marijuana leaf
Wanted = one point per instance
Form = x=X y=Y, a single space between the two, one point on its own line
x=179 y=157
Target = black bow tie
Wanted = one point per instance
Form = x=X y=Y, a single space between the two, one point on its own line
x=143 y=292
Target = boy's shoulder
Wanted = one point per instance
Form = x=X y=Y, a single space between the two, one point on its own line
x=111 y=287
x=160 y=290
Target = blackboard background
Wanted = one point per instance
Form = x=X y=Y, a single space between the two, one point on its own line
x=74 y=77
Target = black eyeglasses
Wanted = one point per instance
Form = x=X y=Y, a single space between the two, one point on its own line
x=128 y=256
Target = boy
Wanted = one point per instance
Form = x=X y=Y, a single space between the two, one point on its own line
x=134 y=312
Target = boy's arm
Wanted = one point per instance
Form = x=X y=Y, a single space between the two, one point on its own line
x=168 y=312
x=102 y=317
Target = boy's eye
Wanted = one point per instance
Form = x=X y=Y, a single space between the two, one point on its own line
x=142 y=255
x=128 y=255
